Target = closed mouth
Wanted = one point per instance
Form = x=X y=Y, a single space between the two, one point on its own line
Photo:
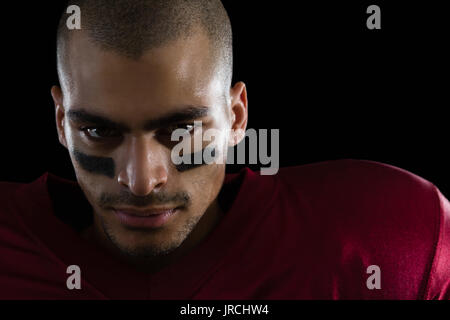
x=146 y=212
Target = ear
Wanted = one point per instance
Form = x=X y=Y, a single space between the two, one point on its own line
x=59 y=113
x=239 y=113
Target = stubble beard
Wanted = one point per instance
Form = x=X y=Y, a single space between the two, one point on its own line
x=152 y=251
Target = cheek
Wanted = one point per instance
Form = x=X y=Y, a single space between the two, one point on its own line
x=207 y=182
x=90 y=186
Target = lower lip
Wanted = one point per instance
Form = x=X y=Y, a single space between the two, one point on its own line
x=153 y=221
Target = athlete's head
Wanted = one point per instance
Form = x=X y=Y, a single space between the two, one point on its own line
x=136 y=71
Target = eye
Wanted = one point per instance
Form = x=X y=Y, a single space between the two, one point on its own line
x=186 y=126
x=189 y=127
x=99 y=133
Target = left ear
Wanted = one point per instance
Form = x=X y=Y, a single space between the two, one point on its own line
x=239 y=113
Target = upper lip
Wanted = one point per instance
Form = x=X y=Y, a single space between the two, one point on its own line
x=145 y=212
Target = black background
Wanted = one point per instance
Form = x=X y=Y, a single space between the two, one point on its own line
x=313 y=70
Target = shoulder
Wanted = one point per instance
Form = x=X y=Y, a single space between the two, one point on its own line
x=357 y=190
x=349 y=170
x=8 y=194
x=358 y=178
x=11 y=227
x=378 y=214
x=16 y=197
x=6 y=188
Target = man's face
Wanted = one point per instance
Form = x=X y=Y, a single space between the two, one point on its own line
x=129 y=166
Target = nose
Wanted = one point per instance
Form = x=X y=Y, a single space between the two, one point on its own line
x=145 y=169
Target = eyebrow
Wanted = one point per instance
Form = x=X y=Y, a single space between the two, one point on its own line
x=188 y=113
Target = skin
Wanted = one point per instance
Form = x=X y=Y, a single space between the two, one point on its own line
x=141 y=174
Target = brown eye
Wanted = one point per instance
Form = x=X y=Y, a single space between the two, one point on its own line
x=100 y=133
x=189 y=127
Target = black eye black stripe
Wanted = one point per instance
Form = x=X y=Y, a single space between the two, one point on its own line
x=106 y=166
x=97 y=165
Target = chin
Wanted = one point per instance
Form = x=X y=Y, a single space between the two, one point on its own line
x=145 y=244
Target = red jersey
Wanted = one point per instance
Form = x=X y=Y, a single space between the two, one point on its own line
x=310 y=232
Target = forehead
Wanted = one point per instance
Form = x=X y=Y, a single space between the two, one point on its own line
x=181 y=72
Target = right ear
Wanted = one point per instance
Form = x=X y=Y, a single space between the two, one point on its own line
x=59 y=114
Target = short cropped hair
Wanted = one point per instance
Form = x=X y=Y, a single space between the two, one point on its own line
x=131 y=27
